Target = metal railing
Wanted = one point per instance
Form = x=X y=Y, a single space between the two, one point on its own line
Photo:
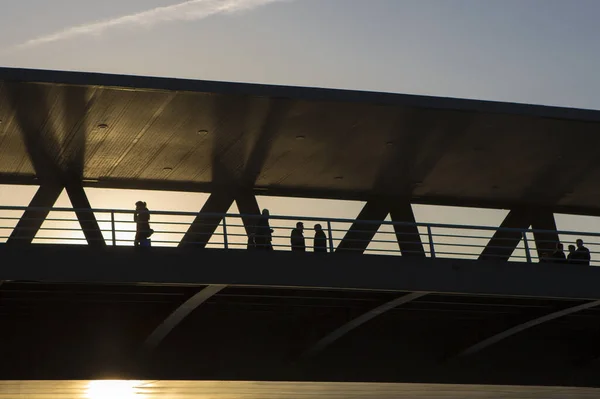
x=61 y=226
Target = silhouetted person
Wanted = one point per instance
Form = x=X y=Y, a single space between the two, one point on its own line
x=545 y=257
x=558 y=256
x=251 y=242
x=582 y=254
x=320 y=243
x=263 y=233
x=141 y=217
x=297 y=238
x=571 y=257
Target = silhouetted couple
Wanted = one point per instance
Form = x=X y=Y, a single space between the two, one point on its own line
x=299 y=244
x=141 y=217
x=578 y=256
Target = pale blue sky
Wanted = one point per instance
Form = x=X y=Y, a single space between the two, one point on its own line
x=534 y=51
x=531 y=51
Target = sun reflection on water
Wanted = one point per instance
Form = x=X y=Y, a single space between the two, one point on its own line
x=113 y=389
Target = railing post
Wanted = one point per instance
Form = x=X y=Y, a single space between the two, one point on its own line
x=431 y=245
x=225 y=241
x=526 y=244
x=330 y=237
x=112 y=227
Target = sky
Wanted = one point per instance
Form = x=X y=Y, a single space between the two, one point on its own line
x=532 y=51
x=528 y=51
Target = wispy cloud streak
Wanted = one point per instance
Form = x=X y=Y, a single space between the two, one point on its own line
x=191 y=10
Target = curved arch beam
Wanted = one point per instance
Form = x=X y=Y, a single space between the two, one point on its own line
x=360 y=320
x=179 y=314
x=522 y=327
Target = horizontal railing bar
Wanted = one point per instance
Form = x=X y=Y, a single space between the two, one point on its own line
x=300 y=218
x=435 y=239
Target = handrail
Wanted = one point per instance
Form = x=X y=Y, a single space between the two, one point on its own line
x=434 y=239
x=298 y=218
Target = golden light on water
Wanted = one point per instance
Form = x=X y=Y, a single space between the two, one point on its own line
x=113 y=389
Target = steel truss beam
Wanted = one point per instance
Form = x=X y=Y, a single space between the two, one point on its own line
x=365 y=227
x=369 y=221
x=527 y=325
x=85 y=215
x=407 y=233
x=55 y=168
x=206 y=223
x=210 y=217
x=506 y=239
x=182 y=311
x=33 y=218
x=359 y=321
x=248 y=205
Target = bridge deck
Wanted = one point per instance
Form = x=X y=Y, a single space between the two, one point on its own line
x=259 y=333
x=175 y=266
x=202 y=313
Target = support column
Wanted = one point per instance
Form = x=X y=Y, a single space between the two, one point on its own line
x=248 y=205
x=206 y=223
x=32 y=219
x=504 y=242
x=361 y=233
x=546 y=237
x=407 y=234
x=85 y=215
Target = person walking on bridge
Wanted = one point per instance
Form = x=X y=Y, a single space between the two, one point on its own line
x=297 y=238
x=263 y=233
x=320 y=242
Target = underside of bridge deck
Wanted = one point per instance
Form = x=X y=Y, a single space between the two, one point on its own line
x=89 y=331
x=181 y=135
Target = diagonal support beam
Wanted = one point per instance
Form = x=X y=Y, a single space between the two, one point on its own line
x=525 y=326
x=31 y=221
x=368 y=222
x=359 y=321
x=407 y=233
x=184 y=310
x=361 y=232
x=248 y=205
x=85 y=215
x=206 y=223
x=545 y=233
x=57 y=157
x=504 y=242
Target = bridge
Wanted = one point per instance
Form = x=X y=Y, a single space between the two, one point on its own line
x=412 y=307
x=449 y=308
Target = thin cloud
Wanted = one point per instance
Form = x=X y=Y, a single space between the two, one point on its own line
x=191 y=10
